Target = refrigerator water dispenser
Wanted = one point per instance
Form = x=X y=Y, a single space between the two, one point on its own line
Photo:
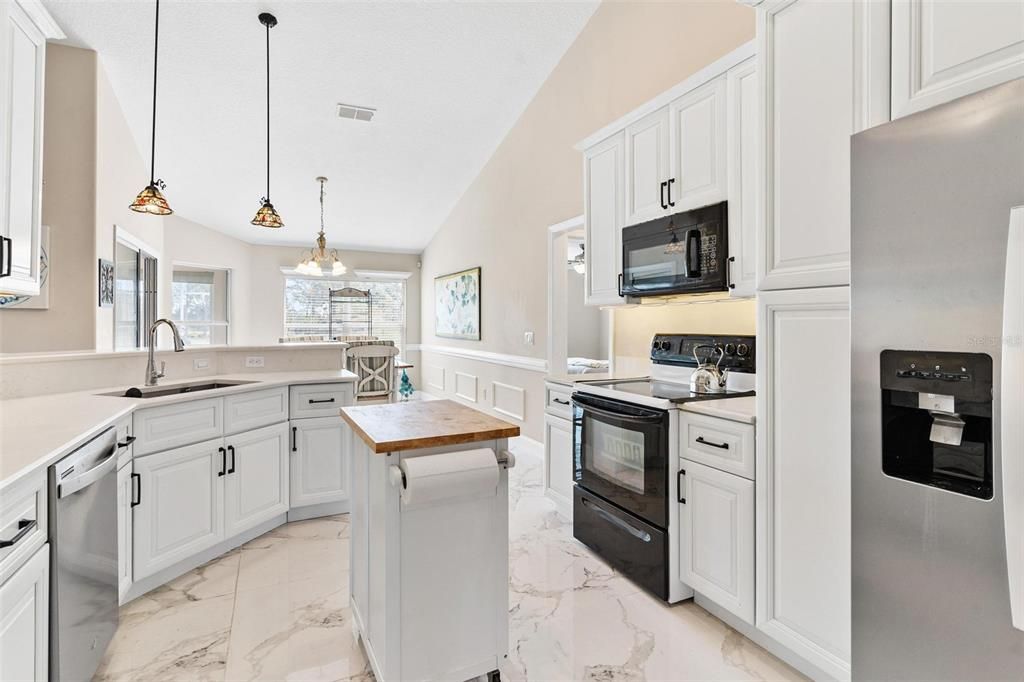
x=937 y=419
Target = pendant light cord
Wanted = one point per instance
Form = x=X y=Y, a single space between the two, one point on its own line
x=268 y=112
x=321 y=207
x=152 y=139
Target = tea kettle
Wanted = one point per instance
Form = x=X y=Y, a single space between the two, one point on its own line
x=707 y=378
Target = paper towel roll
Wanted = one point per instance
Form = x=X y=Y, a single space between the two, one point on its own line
x=449 y=475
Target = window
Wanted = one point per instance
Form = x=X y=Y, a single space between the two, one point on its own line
x=135 y=279
x=199 y=304
x=306 y=308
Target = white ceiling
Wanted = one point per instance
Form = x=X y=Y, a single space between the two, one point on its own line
x=448 y=79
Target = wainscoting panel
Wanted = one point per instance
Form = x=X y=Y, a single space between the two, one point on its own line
x=434 y=376
x=465 y=386
x=508 y=400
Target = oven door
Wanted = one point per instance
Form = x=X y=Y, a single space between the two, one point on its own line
x=621 y=455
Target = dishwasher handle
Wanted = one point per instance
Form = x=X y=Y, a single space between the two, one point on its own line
x=72 y=485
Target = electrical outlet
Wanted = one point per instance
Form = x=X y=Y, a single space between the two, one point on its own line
x=254 y=361
x=528 y=338
x=200 y=363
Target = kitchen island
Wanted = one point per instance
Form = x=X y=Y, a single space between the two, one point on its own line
x=429 y=552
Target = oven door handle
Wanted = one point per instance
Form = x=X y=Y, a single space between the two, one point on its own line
x=641 y=535
x=631 y=418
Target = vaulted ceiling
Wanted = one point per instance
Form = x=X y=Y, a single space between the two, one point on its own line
x=448 y=80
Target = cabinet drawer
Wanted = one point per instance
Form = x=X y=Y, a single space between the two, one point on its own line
x=255 y=409
x=558 y=400
x=20 y=505
x=171 y=426
x=719 y=443
x=320 y=400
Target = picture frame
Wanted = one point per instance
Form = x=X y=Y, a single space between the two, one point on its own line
x=457 y=297
x=105 y=283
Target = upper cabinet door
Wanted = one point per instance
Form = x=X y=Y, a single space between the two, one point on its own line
x=943 y=50
x=21 y=113
x=647 y=168
x=743 y=125
x=697 y=139
x=824 y=76
x=603 y=208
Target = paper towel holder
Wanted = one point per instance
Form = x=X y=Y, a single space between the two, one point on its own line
x=396 y=476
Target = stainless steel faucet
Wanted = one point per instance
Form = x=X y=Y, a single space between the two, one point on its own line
x=151 y=374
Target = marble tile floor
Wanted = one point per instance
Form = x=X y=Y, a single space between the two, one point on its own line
x=277 y=609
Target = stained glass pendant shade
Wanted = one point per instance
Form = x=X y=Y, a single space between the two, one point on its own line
x=267 y=215
x=151 y=200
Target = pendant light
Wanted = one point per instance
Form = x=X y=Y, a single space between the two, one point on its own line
x=150 y=200
x=319 y=260
x=674 y=245
x=267 y=216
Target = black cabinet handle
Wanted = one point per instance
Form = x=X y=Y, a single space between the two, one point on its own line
x=127 y=441
x=325 y=400
x=25 y=527
x=669 y=185
x=136 y=490
x=620 y=285
x=223 y=461
x=560 y=401
x=663 y=186
x=6 y=249
x=720 y=446
x=231 y=449
x=728 y=271
x=295 y=439
x=679 y=486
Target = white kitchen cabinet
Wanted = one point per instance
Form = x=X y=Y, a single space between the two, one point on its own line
x=803 y=474
x=603 y=202
x=698 y=150
x=177 y=424
x=320 y=400
x=253 y=409
x=24 y=620
x=180 y=509
x=558 y=462
x=717 y=537
x=320 y=453
x=256 y=481
x=647 y=167
x=824 y=70
x=125 y=498
x=942 y=50
x=743 y=126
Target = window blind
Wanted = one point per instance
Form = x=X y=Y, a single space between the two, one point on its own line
x=307 y=307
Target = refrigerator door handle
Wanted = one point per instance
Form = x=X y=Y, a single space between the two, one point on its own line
x=1012 y=425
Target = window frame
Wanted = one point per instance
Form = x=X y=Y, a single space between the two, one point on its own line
x=142 y=313
x=211 y=324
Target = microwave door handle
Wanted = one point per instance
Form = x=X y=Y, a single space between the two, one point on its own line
x=1012 y=428
x=693 y=253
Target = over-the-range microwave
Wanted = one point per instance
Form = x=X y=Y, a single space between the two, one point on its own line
x=684 y=253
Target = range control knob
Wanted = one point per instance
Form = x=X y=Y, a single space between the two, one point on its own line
x=730 y=349
x=666 y=345
x=742 y=350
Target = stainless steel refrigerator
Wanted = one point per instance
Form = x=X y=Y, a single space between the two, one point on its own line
x=937 y=314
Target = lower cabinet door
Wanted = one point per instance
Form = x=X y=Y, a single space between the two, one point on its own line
x=256 y=484
x=319 y=461
x=180 y=510
x=125 y=496
x=558 y=464
x=717 y=537
x=24 y=620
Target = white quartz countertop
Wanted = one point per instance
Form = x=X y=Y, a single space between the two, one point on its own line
x=566 y=379
x=735 y=409
x=36 y=431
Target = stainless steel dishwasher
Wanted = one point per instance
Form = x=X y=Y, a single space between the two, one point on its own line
x=83 y=557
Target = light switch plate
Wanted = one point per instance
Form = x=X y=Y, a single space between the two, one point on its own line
x=254 y=361
x=528 y=338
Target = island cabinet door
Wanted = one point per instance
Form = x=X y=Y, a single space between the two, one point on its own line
x=256 y=480
x=319 y=461
x=179 y=507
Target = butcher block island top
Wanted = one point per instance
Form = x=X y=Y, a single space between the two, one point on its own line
x=392 y=427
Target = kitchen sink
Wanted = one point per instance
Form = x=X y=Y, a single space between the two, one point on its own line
x=160 y=391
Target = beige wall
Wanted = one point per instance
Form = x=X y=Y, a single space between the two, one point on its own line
x=69 y=196
x=628 y=53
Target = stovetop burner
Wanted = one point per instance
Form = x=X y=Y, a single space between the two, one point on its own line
x=665 y=390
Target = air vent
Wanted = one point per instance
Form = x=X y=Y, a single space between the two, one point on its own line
x=356 y=113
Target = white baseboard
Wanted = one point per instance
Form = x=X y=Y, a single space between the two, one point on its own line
x=314 y=511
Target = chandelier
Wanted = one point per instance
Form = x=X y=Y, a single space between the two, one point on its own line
x=319 y=260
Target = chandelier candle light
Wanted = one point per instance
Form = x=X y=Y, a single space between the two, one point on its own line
x=150 y=200
x=267 y=215
x=319 y=260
